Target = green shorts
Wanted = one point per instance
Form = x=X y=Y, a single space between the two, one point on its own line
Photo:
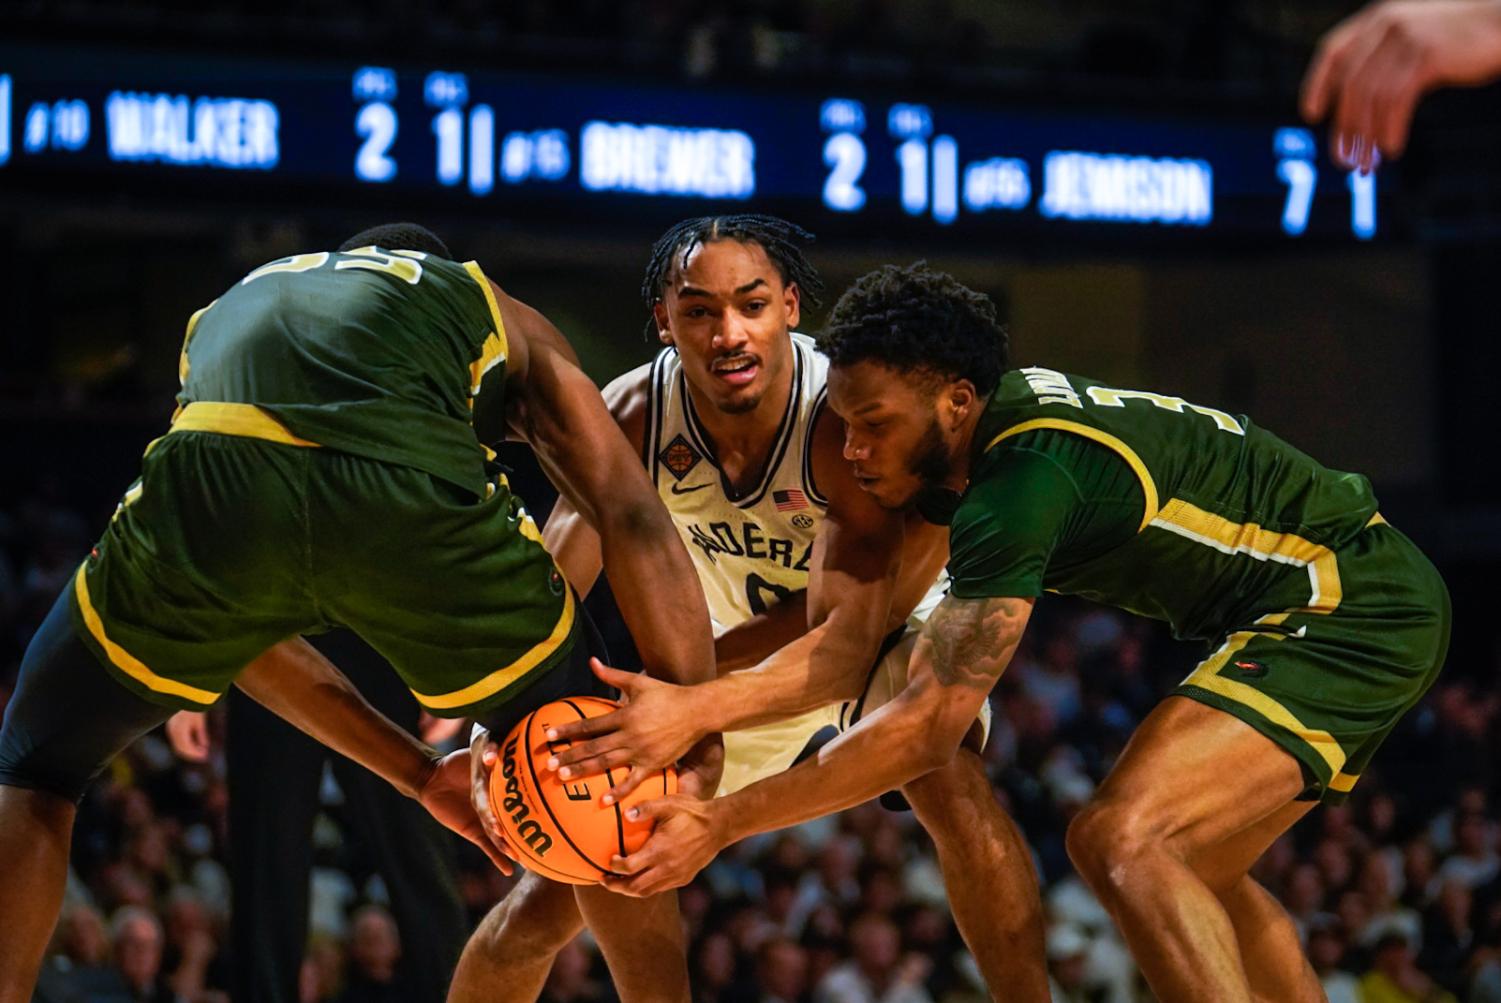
x=230 y=543
x=1328 y=685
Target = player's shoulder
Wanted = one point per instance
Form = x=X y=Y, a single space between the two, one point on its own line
x=628 y=398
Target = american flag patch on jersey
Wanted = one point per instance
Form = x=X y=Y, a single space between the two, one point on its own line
x=790 y=500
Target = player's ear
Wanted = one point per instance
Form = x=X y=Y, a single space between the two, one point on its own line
x=792 y=302
x=659 y=317
x=959 y=399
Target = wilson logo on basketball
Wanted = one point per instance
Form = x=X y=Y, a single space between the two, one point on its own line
x=515 y=805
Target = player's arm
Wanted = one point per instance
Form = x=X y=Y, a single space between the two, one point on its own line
x=870 y=568
x=963 y=649
x=1001 y=539
x=558 y=410
x=294 y=681
x=868 y=575
x=568 y=536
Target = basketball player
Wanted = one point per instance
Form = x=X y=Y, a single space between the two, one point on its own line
x=1328 y=624
x=1371 y=69
x=730 y=420
x=321 y=469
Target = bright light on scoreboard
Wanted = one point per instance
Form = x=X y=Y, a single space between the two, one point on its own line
x=553 y=145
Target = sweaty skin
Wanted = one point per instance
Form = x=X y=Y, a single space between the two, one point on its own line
x=867 y=575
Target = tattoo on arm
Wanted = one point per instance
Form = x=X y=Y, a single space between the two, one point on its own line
x=973 y=639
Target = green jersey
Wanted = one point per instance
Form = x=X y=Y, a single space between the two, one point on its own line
x=1144 y=501
x=374 y=353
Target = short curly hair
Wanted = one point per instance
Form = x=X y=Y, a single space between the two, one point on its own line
x=918 y=319
x=399 y=237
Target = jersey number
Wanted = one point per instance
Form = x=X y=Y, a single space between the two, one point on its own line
x=757 y=589
x=1110 y=397
x=405 y=265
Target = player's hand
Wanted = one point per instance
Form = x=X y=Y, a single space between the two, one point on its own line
x=484 y=754
x=699 y=771
x=447 y=793
x=659 y=723
x=687 y=837
x=187 y=734
x=1371 y=69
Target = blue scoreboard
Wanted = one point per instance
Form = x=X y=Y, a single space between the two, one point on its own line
x=524 y=145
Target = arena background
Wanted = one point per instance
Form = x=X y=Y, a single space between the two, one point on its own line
x=1370 y=347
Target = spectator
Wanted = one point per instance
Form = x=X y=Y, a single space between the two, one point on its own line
x=137 y=937
x=878 y=973
x=782 y=972
x=1068 y=953
x=374 y=950
x=1395 y=977
x=1326 y=949
x=1475 y=861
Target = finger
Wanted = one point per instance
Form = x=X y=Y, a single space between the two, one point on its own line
x=502 y=863
x=1365 y=63
x=1325 y=72
x=638 y=886
x=655 y=810
x=1395 y=104
x=481 y=799
x=572 y=763
x=634 y=779
x=637 y=862
x=623 y=681
x=587 y=727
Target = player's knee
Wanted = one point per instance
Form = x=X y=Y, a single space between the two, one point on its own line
x=1105 y=838
x=536 y=919
x=945 y=795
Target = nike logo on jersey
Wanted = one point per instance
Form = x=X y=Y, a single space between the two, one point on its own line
x=679 y=490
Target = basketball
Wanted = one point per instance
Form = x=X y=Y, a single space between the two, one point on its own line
x=558 y=828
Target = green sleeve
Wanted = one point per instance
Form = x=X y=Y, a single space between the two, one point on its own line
x=1008 y=524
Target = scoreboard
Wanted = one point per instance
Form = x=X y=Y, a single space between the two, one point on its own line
x=527 y=145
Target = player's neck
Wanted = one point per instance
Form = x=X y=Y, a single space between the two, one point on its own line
x=743 y=441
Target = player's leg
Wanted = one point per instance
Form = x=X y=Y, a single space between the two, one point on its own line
x=1270 y=948
x=66 y=720
x=987 y=872
x=1190 y=779
x=987 y=867
x=642 y=941
x=509 y=956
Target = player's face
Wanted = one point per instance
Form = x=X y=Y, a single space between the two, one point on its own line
x=728 y=313
x=893 y=432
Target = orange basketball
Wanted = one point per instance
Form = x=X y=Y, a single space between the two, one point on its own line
x=559 y=828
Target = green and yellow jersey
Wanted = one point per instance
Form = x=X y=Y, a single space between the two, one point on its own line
x=370 y=352
x=323 y=471
x=1144 y=501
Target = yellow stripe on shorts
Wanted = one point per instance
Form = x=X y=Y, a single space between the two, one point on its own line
x=124 y=660
x=501 y=678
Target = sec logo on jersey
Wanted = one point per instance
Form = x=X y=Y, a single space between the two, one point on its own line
x=679 y=457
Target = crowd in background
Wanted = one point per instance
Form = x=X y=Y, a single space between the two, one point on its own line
x=1398 y=893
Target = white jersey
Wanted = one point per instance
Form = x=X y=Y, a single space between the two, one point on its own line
x=754 y=549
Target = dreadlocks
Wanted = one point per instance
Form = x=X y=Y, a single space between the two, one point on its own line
x=782 y=241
